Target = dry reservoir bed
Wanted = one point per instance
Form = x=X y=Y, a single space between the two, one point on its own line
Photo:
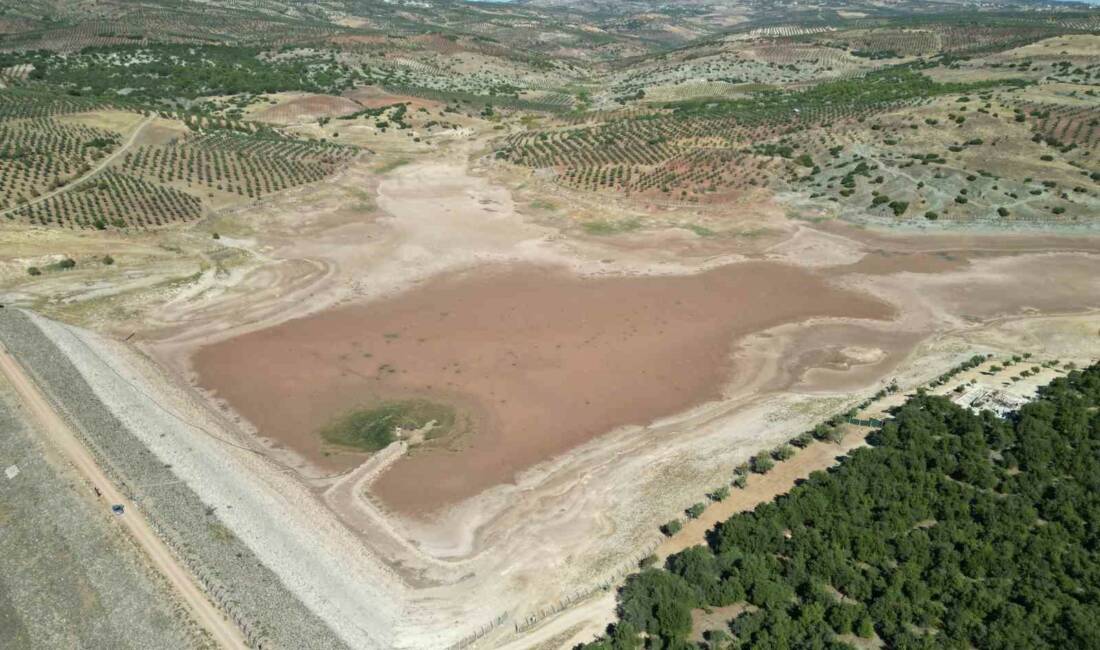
x=533 y=361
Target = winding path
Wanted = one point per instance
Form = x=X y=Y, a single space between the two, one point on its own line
x=86 y=175
x=58 y=432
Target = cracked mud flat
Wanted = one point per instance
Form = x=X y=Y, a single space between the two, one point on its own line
x=580 y=516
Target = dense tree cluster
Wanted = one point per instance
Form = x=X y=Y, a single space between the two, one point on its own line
x=875 y=90
x=18 y=103
x=954 y=530
x=169 y=72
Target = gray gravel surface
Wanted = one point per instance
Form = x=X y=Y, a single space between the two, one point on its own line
x=270 y=615
x=69 y=578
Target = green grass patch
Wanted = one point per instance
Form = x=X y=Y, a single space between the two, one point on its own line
x=702 y=231
x=372 y=429
x=605 y=227
x=391 y=165
x=364 y=201
x=219 y=532
x=540 y=204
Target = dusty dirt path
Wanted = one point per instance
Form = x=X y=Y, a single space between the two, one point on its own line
x=91 y=172
x=818 y=456
x=224 y=633
x=575 y=625
x=821 y=455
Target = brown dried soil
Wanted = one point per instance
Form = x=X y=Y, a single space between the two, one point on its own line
x=308 y=108
x=538 y=360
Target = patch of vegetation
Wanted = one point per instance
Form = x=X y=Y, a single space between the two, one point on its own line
x=165 y=73
x=374 y=428
x=701 y=231
x=605 y=227
x=61 y=265
x=877 y=88
x=391 y=165
x=542 y=204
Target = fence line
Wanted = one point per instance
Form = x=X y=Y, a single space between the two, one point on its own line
x=607 y=582
x=477 y=634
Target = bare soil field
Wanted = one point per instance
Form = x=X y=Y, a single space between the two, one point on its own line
x=540 y=362
x=373 y=97
x=308 y=108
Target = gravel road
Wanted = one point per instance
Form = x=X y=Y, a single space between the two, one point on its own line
x=205 y=532
x=58 y=432
x=69 y=576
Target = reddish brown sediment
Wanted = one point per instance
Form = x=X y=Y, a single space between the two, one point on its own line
x=540 y=361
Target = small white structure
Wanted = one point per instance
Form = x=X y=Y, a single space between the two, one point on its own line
x=980 y=399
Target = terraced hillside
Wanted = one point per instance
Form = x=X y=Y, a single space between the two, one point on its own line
x=64 y=163
x=939 y=120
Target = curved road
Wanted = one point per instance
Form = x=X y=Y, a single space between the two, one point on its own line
x=91 y=172
x=205 y=613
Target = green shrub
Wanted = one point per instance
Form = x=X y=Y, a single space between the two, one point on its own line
x=62 y=265
x=762 y=463
x=375 y=428
x=865 y=629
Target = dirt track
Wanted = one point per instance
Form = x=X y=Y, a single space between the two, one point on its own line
x=100 y=166
x=224 y=633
